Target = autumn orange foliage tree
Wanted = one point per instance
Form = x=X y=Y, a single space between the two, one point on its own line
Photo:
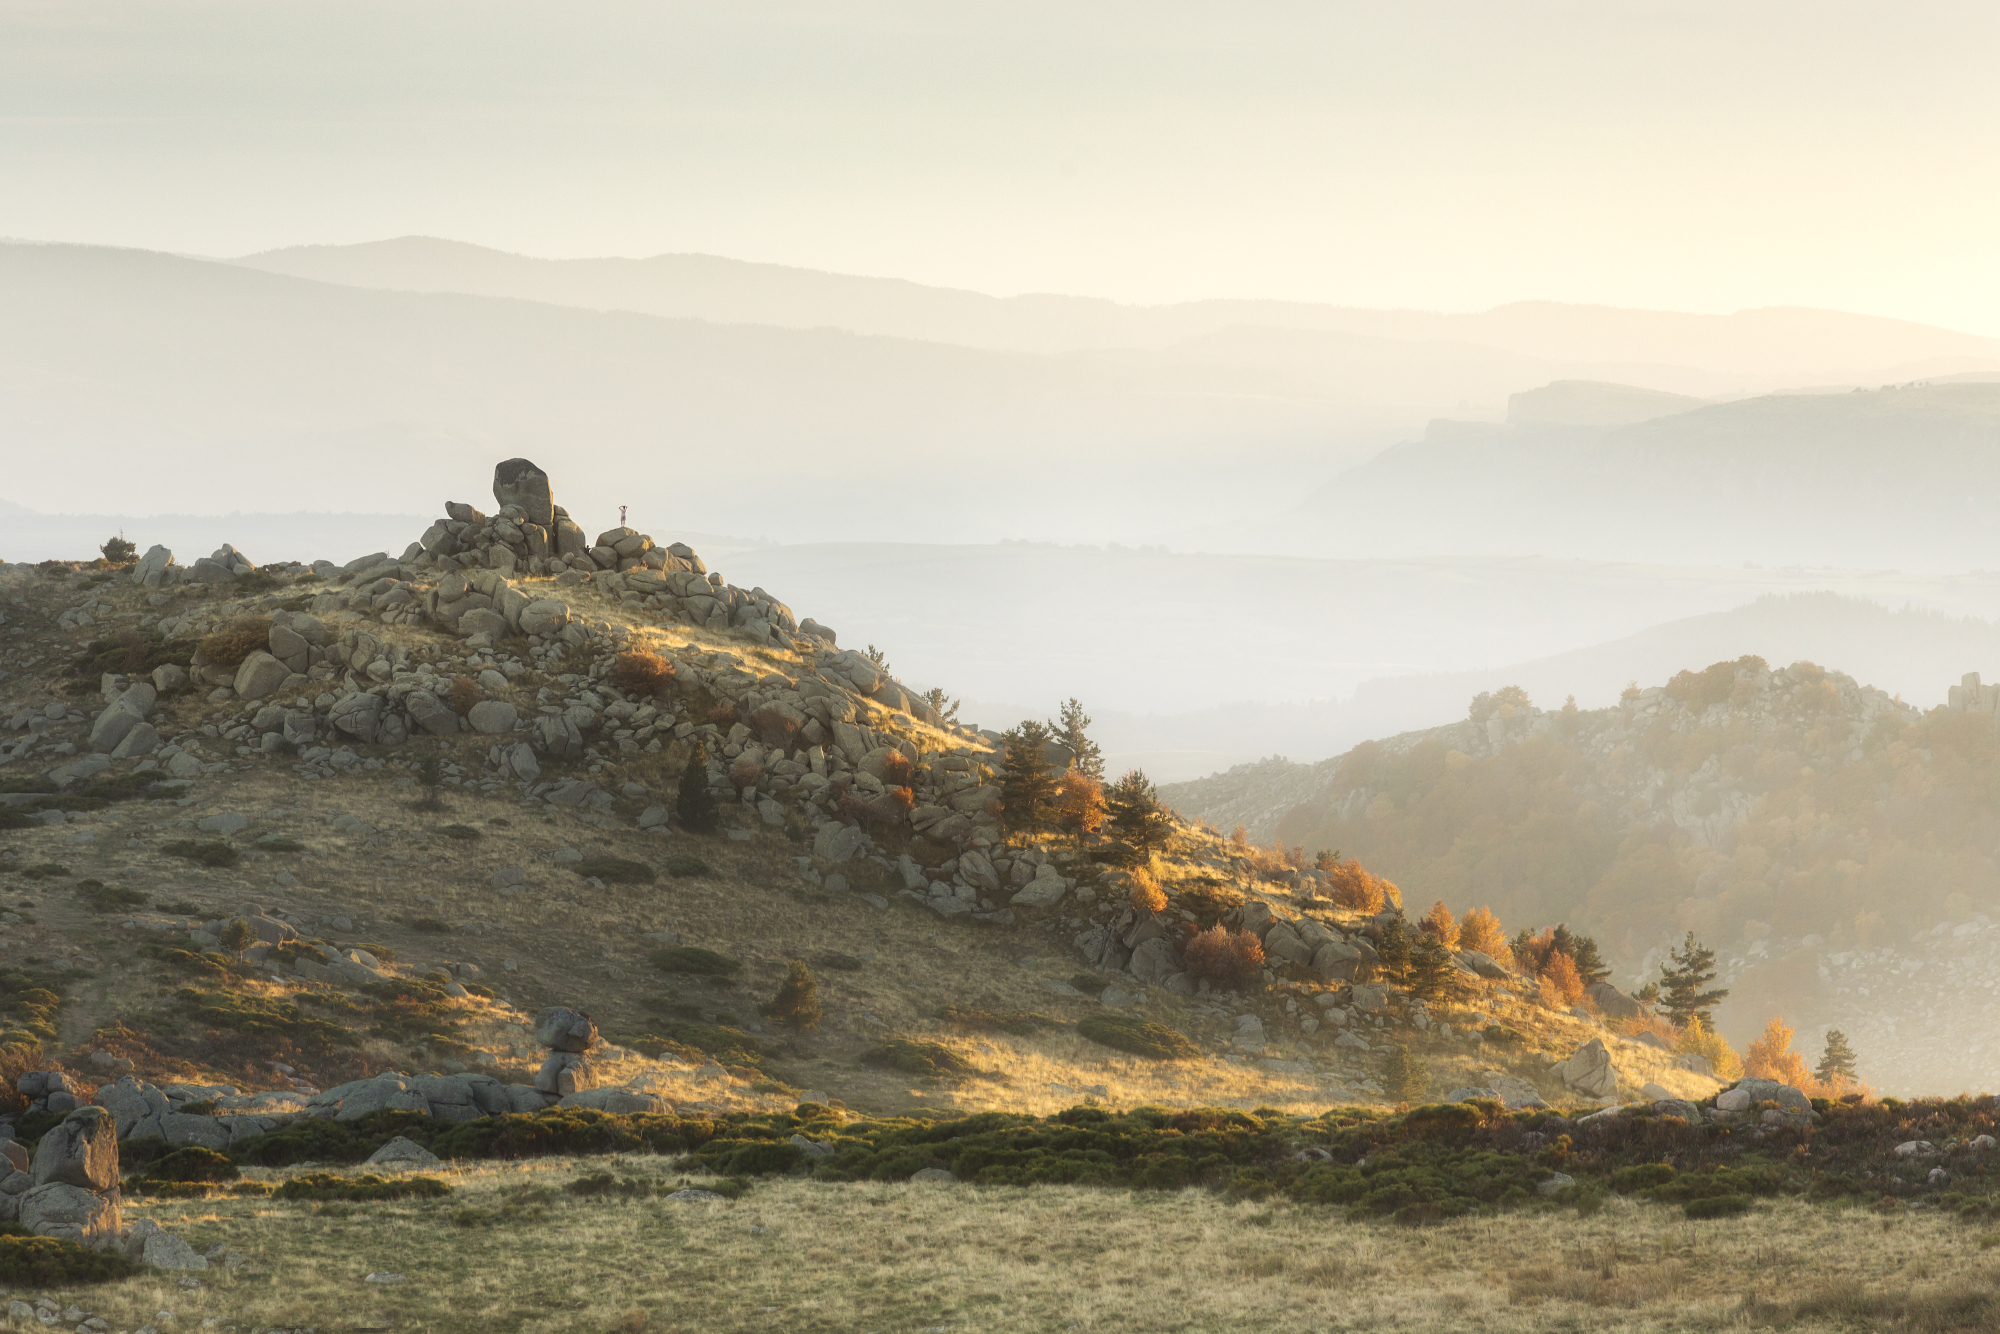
x=1440 y=923
x=1356 y=888
x=1145 y=892
x=1771 y=1057
x=1561 y=987
x=1481 y=931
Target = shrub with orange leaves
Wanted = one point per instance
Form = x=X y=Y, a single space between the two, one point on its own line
x=1079 y=804
x=1561 y=987
x=1145 y=893
x=641 y=672
x=1440 y=923
x=1356 y=888
x=1225 y=958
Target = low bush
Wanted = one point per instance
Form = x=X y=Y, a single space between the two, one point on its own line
x=229 y=646
x=1138 y=1037
x=329 y=1186
x=208 y=854
x=28 y=1261
x=461 y=831
x=1229 y=959
x=280 y=845
x=99 y=897
x=1021 y=1023
x=639 y=672
x=687 y=864
x=615 y=870
x=921 y=1059
x=46 y=871
x=695 y=961
x=465 y=693
x=192 y=1164
x=1717 y=1206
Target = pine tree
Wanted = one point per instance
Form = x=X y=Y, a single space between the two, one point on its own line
x=1136 y=816
x=1073 y=731
x=1590 y=966
x=796 y=1006
x=1028 y=792
x=1682 y=978
x=236 y=937
x=1404 y=1078
x=118 y=551
x=694 y=803
x=943 y=705
x=1432 y=975
x=1837 y=1063
x=1393 y=951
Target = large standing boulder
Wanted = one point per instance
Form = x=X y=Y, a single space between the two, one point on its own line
x=519 y=483
x=561 y=1029
x=1155 y=961
x=82 y=1151
x=71 y=1213
x=1614 y=1003
x=564 y=1073
x=1588 y=1070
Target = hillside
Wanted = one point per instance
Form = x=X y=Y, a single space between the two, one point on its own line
x=1751 y=480
x=451 y=787
x=1834 y=844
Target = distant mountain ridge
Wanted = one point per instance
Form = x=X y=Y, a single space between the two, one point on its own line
x=1780 y=342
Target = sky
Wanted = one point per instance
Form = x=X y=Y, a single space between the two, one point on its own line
x=1687 y=155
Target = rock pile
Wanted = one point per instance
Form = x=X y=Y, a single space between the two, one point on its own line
x=70 y=1191
x=568 y=1036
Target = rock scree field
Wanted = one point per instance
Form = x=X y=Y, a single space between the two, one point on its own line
x=533 y=931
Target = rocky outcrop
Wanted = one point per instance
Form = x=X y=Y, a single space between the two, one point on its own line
x=1588 y=1070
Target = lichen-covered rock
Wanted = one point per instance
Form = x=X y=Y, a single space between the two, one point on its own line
x=561 y=1029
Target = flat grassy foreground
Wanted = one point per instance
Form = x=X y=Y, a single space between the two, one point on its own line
x=512 y=1249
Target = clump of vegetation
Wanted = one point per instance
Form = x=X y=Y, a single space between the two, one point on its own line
x=615 y=870
x=191 y=1164
x=1138 y=1037
x=101 y=897
x=329 y=1186
x=695 y=961
x=1404 y=1078
x=690 y=1040
x=796 y=1006
x=229 y=646
x=118 y=551
x=1132 y=806
x=28 y=1261
x=27 y=1015
x=1021 y=1023
x=465 y=693
x=1358 y=889
x=919 y=1059
x=462 y=832
x=687 y=864
x=694 y=804
x=214 y=854
x=1028 y=791
x=1145 y=893
x=45 y=871
x=1228 y=959
x=640 y=672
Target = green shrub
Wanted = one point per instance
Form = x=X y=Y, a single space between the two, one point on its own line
x=604 y=1185
x=1021 y=1023
x=100 y=897
x=695 y=961
x=280 y=845
x=755 y=1158
x=328 y=1186
x=1138 y=1037
x=46 y=871
x=571 y=1131
x=28 y=1261
x=1641 y=1176
x=1717 y=1206
x=686 y=864
x=192 y=1164
x=615 y=870
x=208 y=854
x=918 y=1058
x=461 y=831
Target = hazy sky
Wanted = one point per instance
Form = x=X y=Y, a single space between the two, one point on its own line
x=1682 y=154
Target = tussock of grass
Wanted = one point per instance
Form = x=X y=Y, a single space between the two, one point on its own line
x=615 y=870
x=920 y=1059
x=695 y=961
x=208 y=854
x=44 y=1262
x=1137 y=1036
x=329 y=1186
x=687 y=864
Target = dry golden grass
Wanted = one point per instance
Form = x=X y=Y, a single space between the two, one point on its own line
x=796 y=1255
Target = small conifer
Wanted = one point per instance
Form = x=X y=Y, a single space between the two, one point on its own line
x=796 y=1006
x=237 y=936
x=694 y=803
x=1837 y=1063
x=1404 y=1078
